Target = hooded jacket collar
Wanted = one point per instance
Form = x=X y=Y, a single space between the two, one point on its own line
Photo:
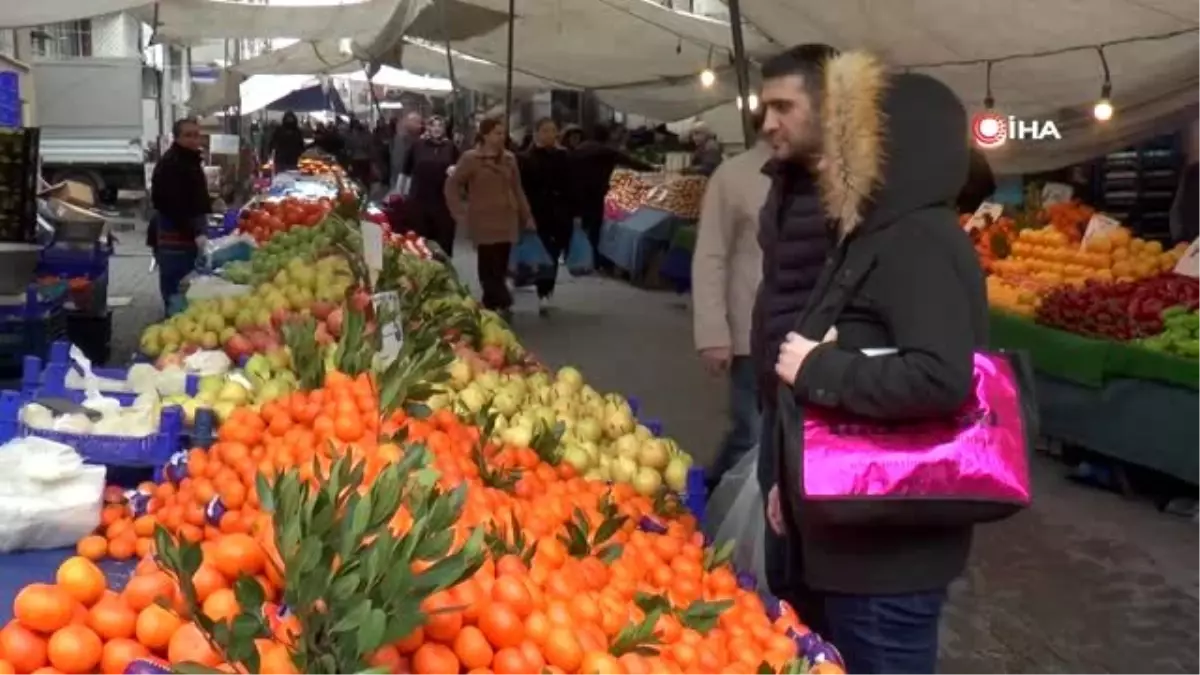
x=891 y=143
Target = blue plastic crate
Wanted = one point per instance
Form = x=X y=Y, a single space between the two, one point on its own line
x=48 y=378
x=20 y=338
x=152 y=451
x=74 y=262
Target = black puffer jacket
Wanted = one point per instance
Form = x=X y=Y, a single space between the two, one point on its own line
x=795 y=240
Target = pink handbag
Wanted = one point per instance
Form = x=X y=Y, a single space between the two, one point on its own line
x=968 y=469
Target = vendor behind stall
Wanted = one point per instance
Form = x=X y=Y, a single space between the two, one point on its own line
x=179 y=195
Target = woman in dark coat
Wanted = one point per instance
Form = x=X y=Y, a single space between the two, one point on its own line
x=287 y=143
x=424 y=173
x=545 y=175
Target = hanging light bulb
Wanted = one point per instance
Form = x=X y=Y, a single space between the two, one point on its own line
x=752 y=98
x=1103 y=110
x=707 y=77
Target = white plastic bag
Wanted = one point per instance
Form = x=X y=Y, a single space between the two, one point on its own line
x=735 y=513
x=48 y=497
x=207 y=287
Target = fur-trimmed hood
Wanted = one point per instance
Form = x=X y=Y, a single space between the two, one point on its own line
x=892 y=143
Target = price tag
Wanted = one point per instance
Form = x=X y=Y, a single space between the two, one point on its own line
x=1053 y=193
x=985 y=211
x=1099 y=225
x=372 y=246
x=1189 y=264
x=387 y=314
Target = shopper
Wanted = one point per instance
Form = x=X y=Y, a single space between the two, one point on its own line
x=287 y=143
x=485 y=196
x=179 y=195
x=794 y=241
x=726 y=271
x=902 y=277
x=592 y=165
x=359 y=150
x=706 y=153
x=407 y=133
x=545 y=176
x=423 y=179
x=571 y=137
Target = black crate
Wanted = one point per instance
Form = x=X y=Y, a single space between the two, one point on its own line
x=19 y=337
x=18 y=185
x=92 y=333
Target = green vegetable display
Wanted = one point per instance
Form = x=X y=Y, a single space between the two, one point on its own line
x=1179 y=334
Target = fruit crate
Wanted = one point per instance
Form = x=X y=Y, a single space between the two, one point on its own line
x=151 y=451
x=72 y=261
x=18 y=185
x=48 y=377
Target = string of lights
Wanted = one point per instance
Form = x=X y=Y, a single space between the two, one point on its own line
x=1102 y=110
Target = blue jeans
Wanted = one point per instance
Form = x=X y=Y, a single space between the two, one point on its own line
x=174 y=264
x=745 y=420
x=885 y=633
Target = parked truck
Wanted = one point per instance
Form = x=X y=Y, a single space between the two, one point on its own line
x=90 y=112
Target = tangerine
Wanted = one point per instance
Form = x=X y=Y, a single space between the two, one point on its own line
x=190 y=644
x=23 y=648
x=43 y=607
x=143 y=590
x=472 y=648
x=432 y=657
x=207 y=580
x=221 y=605
x=511 y=590
x=112 y=618
x=80 y=578
x=236 y=554
x=510 y=660
x=502 y=625
x=117 y=655
x=155 y=626
x=562 y=649
x=92 y=547
x=74 y=649
x=443 y=618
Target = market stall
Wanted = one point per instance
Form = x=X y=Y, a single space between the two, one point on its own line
x=645 y=215
x=1109 y=321
x=348 y=456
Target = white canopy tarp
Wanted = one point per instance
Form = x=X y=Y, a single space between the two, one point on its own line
x=637 y=55
x=189 y=21
x=24 y=13
x=1154 y=83
x=415 y=57
x=403 y=79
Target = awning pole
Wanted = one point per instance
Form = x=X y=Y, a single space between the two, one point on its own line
x=508 y=67
x=742 y=67
x=457 y=118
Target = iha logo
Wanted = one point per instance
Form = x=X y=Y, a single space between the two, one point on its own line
x=992 y=130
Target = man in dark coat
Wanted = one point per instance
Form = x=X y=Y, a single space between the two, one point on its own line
x=794 y=239
x=179 y=195
x=287 y=143
x=592 y=165
x=545 y=175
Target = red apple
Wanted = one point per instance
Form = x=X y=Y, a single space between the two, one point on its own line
x=321 y=309
x=238 y=346
x=279 y=317
x=334 y=322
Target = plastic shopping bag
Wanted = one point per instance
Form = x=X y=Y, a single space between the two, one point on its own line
x=529 y=259
x=735 y=513
x=48 y=497
x=581 y=259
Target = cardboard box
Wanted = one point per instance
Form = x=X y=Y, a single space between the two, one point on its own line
x=71 y=192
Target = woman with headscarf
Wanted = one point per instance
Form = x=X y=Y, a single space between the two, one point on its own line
x=287 y=143
x=423 y=178
x=485 y=195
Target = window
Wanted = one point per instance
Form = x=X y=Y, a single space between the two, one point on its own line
x=66 y=40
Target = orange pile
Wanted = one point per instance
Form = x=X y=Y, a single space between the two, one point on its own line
x=561 y=612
